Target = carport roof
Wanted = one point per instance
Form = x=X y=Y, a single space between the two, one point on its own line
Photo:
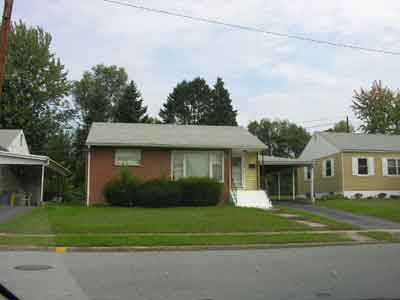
x=282 y=161
x=29 y=159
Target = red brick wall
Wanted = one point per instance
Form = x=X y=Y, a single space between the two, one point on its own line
x=155 y=164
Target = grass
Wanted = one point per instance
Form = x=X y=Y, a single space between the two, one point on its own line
x=381 y=236
x=388 y=209
x=72 y=219
x=169 y=240
x=63 y=219
x=304 y=215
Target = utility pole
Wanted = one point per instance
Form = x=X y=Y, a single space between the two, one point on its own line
x=347 y=124
x=4 y=31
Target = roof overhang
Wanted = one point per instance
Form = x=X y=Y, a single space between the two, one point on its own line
x=168 y=146
x=9 y=158
x=283 y=162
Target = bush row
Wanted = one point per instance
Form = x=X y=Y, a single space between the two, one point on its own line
x=126 y=190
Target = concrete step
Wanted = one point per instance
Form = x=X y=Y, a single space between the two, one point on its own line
x=256 y=199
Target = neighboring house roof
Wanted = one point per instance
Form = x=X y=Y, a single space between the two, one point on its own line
x=282 y=161
x=7 y=136
x=362 y=142
x=172 y=136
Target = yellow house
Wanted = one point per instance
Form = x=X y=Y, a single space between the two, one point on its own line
x=354 y=165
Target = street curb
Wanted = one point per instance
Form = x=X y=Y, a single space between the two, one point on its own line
x=183 y=248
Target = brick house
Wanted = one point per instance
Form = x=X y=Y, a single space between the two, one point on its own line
x=226 y=153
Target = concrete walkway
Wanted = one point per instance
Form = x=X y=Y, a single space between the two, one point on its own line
x=363 y=222
x=7 y=213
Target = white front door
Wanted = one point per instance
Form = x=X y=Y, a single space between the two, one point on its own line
x=237 y=178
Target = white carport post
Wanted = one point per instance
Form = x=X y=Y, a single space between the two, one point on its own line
x=312 y=184
x=42 y=185
x=293 y=185
x=279 y=185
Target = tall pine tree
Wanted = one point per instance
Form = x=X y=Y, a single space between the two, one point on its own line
x=221 y=111
x=129 y=108
x=188 y=103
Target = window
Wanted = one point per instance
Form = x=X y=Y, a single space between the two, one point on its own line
x=307 y=173
x=128 y=157
x=327 y=168
x=198 y=164
x=391 y=166
x=363 y=166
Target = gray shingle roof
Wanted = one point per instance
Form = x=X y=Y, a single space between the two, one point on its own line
x=172 y=136
x=362 y=142
x=7 y=136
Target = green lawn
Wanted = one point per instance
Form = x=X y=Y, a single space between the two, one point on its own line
x=382 y=208
x=169 y=240
x=381 y=236
x=62 y=219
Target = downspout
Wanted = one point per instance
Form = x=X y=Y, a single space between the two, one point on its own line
x=88 y=178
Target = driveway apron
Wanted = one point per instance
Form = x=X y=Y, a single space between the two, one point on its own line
x=361 y=221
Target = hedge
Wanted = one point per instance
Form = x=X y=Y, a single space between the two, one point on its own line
x=194 y=191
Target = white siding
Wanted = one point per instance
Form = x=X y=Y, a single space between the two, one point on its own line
x=19 y=145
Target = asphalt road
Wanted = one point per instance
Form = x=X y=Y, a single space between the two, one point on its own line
x=342 y=272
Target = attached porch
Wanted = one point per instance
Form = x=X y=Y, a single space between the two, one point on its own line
x=245 y=180
x=23 y=178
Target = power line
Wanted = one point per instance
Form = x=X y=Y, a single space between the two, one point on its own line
x=255 y=29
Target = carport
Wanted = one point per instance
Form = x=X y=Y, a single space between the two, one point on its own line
x=23 y=176
x=276 y=165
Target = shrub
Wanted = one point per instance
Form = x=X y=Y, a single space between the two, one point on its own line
x=382 y=195
x=200 y=191
x=394 y=197
x=158 y=193
x=122 y=190
x=358 y=196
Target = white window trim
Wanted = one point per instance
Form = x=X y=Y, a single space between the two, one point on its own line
x=209 y=162
x=371 y=172
x=131 y=164
x=385 y=166
x=332 y=168
x=305 y=174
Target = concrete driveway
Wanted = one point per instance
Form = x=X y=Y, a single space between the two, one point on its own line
x=363 y=222
x=7 y=213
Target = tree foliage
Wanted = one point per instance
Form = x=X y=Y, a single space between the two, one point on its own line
x=195 y=103
x=341 y=126
x=97 y=93
x=35 y=88
x=129 y=108
x=221 y=111
x=378 y=108
x=283 y=138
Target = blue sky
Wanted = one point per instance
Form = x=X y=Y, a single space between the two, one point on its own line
x=267 y=76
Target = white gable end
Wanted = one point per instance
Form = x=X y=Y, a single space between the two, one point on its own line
x=318 y=147
x=19 y=145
